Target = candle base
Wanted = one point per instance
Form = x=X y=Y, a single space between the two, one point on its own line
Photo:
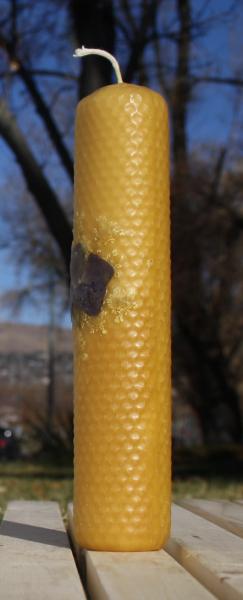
x=118 y=541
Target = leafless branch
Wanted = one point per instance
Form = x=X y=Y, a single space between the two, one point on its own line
x=232 y=81
x=42 y=73
x=13 y=24
x=141 y=39
x=126 y=7
x=120 y=25
x=41 y=106
x=38 y=185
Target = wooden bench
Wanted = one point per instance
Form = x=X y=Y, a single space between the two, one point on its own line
x=202 y=560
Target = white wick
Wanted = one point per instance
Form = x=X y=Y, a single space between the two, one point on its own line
x=80 y=52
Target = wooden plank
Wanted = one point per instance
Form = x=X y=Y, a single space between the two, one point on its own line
x=35 y=557
x=211 y=554
x=137 y=576
x=228 y=515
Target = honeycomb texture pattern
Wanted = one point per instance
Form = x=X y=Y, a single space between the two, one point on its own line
x=122 y=395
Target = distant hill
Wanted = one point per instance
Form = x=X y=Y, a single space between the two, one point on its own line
x=21 y=338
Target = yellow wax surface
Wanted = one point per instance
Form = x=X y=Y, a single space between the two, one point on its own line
x=122 y=380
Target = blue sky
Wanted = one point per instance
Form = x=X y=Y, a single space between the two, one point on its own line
x=212 y=113
x=211 y=117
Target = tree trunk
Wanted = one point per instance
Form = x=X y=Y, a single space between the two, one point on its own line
x=93 y=25
x=181 y=95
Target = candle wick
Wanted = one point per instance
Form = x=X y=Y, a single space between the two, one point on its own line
x=80 y=52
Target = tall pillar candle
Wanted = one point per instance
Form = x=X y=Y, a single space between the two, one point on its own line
x=122 y=380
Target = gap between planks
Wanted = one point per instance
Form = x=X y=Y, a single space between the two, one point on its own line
x=36 y=561
x=136 y=575
x=211 y=554
x=224 y=513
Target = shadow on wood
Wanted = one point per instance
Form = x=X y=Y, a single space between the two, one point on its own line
x=31 y=533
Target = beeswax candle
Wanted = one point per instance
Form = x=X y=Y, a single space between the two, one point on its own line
x=122 y=381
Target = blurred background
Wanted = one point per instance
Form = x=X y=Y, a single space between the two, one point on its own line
x=191 y=51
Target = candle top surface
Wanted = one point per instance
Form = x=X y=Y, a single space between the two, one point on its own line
x=118 y=90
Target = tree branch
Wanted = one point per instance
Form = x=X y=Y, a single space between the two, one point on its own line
x=141 y=40
x=126 y=7
x=38 y=185
x=234 y=81
x=41 y=107
x=50 y=124
x=14 y=23
x=182 y=89
x=41 y=73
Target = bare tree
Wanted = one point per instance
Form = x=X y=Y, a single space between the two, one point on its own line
x=158 y=43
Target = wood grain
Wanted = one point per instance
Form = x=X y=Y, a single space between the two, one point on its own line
x=228 y=515
x=36 y=562
x=211 y=554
